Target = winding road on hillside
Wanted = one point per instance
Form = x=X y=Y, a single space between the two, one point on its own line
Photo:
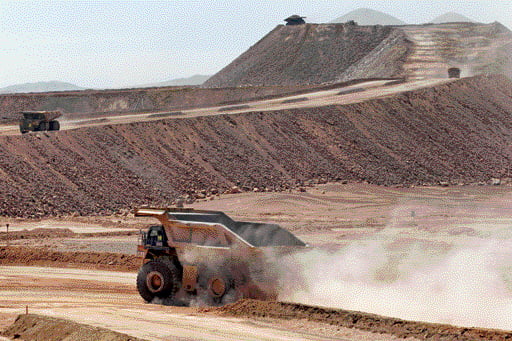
x=343 y=95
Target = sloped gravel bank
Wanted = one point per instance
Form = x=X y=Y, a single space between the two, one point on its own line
x=459 y=132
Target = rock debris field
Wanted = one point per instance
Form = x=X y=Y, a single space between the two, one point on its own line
x=456 y=133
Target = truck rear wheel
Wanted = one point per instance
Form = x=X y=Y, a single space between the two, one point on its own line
x=54 y=125
x=216 y=288
x=156 y=279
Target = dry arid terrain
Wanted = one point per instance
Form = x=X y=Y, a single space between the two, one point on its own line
x=430 y=254
x=401 y=187
x=458 y=132
x=320 y=53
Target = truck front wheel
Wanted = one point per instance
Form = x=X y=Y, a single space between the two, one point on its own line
x=156 y=279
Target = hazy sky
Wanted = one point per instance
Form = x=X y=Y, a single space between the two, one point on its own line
x=123 y=43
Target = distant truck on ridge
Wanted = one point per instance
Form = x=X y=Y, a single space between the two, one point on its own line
x=39 y=121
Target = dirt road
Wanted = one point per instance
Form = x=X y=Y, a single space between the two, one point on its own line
x=109 y=300
x=437 y=254
x=343 y=95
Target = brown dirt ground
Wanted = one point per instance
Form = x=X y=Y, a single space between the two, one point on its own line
x=38 y=233
x=31 y=327
x=46 y=233
x=14 y=255
x=364 y=321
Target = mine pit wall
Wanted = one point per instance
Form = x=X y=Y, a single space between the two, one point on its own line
x=460 y=132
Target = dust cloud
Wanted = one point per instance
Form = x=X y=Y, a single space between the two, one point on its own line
x=466 y=285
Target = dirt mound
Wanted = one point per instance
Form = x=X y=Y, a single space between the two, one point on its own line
x=38 y=233
x=45 y=257
x=459 y=132
x=385 y=60
x=49 y=233
x=42 y=328
x=324 y=53
x=359 y=320
x=312 y=54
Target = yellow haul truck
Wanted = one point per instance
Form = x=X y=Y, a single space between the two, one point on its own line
x=205 y=257
x=39 y=121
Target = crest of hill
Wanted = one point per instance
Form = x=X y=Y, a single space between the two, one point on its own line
x=314 y=54
x=450 y=17
x=40 y=87
x=366 y=16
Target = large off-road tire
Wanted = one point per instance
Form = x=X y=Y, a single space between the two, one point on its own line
x=54 y=125
x=43 y=126
x=158 y=279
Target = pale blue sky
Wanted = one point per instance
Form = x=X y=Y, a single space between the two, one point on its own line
x=123 y=43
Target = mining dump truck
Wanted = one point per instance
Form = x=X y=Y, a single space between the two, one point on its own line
x=206 y=258
x=454 y=72
x=39 y=121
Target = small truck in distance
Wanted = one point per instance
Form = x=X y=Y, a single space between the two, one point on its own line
x=39 y=121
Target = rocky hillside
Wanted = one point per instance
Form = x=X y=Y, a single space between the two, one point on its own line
x=460 y=132
x=40 y=87
x=450 y=17
x=308 y=54
x=193 y=80
x=326 y=53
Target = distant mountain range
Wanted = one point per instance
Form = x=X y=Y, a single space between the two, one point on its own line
x=40 y=87
x=194 y=80
x=366 y=16
x=451 y=17
x=63 y=86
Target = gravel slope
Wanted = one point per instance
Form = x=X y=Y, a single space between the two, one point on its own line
x=308 y=54
x=458 y=132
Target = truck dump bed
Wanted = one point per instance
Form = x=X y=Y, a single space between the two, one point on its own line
x=41 y=115
x=207 y=256
x=256 y=234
